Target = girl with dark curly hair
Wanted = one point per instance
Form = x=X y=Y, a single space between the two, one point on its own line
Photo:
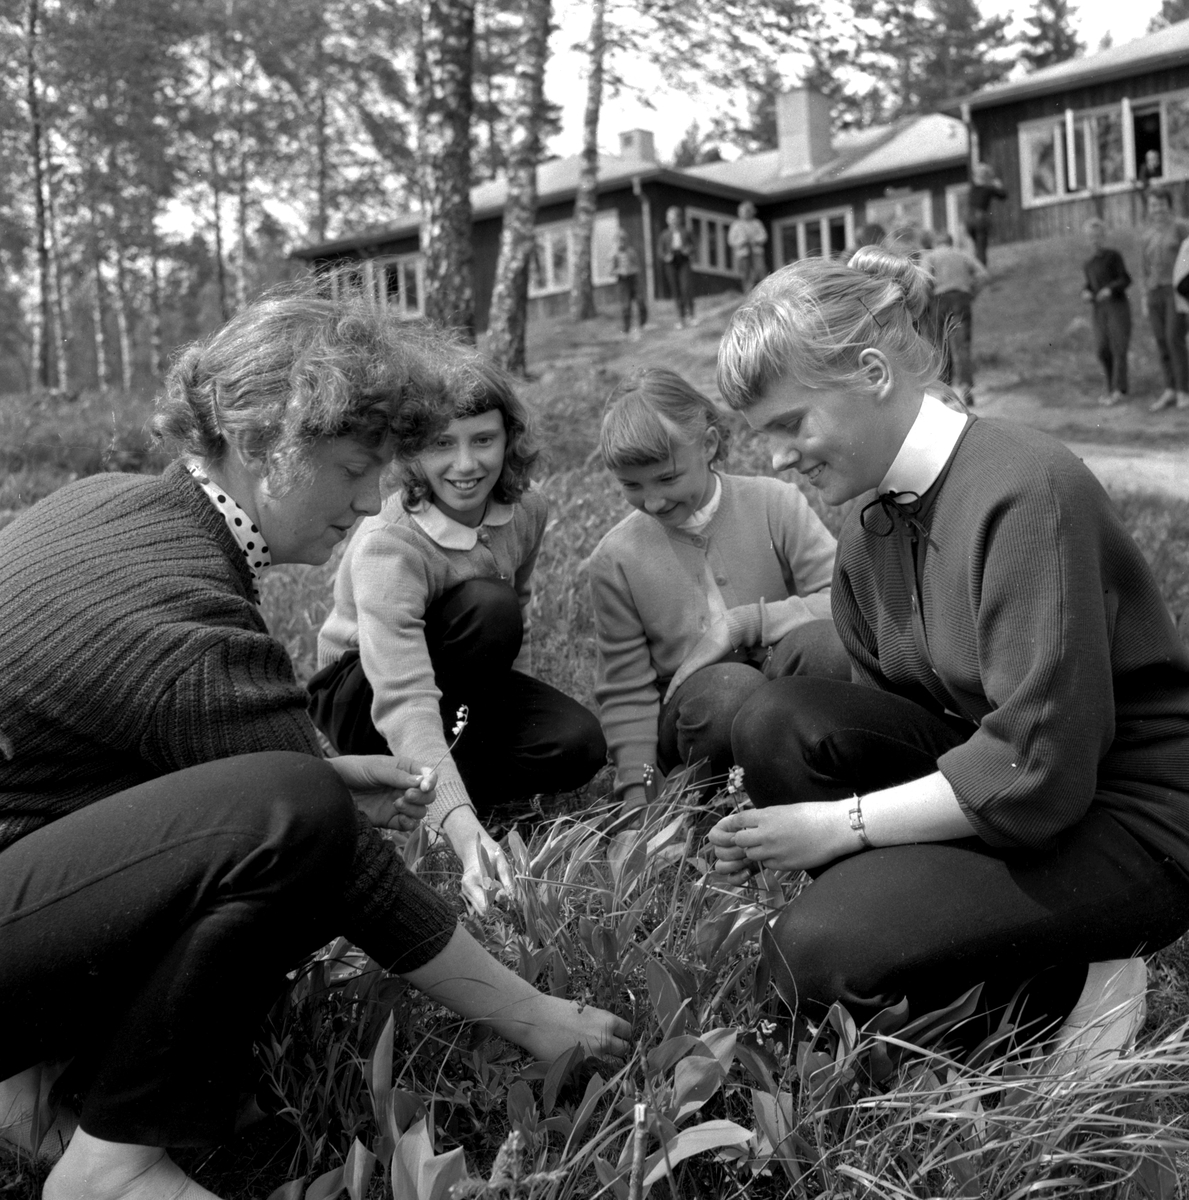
x=430 y=615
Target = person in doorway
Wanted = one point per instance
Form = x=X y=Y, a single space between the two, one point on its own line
x=625 y=266
x=985 y=187
x=677 y=249
x=1106 y=287
x=747 y=238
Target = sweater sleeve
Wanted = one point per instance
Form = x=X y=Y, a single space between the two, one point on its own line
x=1120 y=280
x=243 y=686
x=805 y=548
x=391 y=581
x=625 y=680
x=1042 y=630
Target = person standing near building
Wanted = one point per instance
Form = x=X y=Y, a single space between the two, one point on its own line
x=625 y=266
x=957 y=278
x=984 y=188
x=1161 y=241
x=677 y=248
x=1106 y=287
x=747 y=238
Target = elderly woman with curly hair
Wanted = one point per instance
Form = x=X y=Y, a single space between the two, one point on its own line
x=171 y=839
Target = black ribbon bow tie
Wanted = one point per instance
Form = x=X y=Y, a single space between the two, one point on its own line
x=882 y=515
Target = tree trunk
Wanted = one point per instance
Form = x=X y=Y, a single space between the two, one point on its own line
x=61 y=360
x=41 y=332
x=97 y=313
x=509 y=297
x=156 y=351
x=582 y=302
x=321 y=140
x=445 y=64
x=123 y=324
x=216 y=193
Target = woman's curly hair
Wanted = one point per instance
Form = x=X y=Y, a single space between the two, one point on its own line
x=296 y=366
x=476 y=386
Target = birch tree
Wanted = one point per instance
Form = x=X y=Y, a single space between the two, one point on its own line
x=509 y=298
x=444 y=103
x=582 y=301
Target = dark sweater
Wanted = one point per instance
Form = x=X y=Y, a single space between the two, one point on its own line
x=1106 y=268
x=130 y=648
x=1046 y=628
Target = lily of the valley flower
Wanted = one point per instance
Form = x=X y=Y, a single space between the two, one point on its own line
x=460 y=723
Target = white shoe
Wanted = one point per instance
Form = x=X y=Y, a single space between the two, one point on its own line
x=1107 y=1017
x=1166 y=399
x=1182 y=399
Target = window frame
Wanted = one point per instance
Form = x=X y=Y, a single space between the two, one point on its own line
x=1080 y=121
x=925 y=195
x=725 y=266
x=565 y=228
x=800 y=220
x=377 y=287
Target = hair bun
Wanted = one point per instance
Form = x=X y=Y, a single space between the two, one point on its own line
x=911 y=279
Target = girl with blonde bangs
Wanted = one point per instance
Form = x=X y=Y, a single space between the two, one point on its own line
x=998 y=798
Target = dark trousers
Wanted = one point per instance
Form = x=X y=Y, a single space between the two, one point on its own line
x=631 y=293
x=522 y=736
x=980 y=234
x=696 y=722
x=681 y=286
x=1112 y=335
x=146 y=935
x=1168 y=328
x=930 y=920
x=954 y=318
x=751 y=268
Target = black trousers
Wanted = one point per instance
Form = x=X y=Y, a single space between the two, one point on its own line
x=930 y=920
x=681 y=285
x=631 y=292
x=1112 y=335
x=146 y=936
x=522 y=737
x=1168 y=328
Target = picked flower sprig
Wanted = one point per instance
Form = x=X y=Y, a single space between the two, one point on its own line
x=735 y=781
x=460 y=723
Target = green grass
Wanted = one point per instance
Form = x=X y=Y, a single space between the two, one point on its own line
x=630 y=923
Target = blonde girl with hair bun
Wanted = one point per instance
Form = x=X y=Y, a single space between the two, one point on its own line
x=1000 y=796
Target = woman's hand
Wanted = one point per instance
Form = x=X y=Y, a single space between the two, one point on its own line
x=550 y=1025
x=390 y=792
x=715 y=644
x=789 y=837
x=467 y=836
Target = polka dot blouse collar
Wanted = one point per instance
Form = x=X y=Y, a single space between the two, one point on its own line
x=246 y=535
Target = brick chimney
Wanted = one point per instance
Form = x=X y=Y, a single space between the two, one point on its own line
x=638 y=144
x=803 y=131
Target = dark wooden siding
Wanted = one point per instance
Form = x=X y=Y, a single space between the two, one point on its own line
x=663 y=196
x=999 y=145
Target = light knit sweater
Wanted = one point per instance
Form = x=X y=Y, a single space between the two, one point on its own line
x=129 y=648
x=397 y=564
x=1046 y=628
x=769 y=557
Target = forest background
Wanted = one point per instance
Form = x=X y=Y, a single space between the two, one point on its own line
x=160 y=158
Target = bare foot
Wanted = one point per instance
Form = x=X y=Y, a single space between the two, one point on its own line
x=557 y=1025
x=92 y=1169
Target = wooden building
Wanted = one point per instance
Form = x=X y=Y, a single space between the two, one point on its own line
x=812 y=194
x=1069 y=141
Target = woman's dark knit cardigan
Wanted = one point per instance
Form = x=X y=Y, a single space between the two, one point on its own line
x=130 y=648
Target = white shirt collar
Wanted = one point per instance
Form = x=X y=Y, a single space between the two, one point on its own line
x=247 y=537
x=698 y=521
x=454 y=535
x=926 y=449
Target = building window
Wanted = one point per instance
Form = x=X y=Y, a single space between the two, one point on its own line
x=814 y=235
x=400 y=283
x=1103 y=149
x=708 y=232
x=897 y=211
x=551 y=266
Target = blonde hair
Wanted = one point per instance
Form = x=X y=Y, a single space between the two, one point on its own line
x=650 y=412
x=296 y=366
x=814 y=318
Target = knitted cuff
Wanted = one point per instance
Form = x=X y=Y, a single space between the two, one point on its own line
x=744 y=625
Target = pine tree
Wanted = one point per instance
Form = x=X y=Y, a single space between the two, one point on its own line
x=1049 y=36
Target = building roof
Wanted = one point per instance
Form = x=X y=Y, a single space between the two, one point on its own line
x=885 y=151
x=1166 y=47
x=882 y=151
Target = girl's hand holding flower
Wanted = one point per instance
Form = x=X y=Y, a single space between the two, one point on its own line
x=391 y=793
